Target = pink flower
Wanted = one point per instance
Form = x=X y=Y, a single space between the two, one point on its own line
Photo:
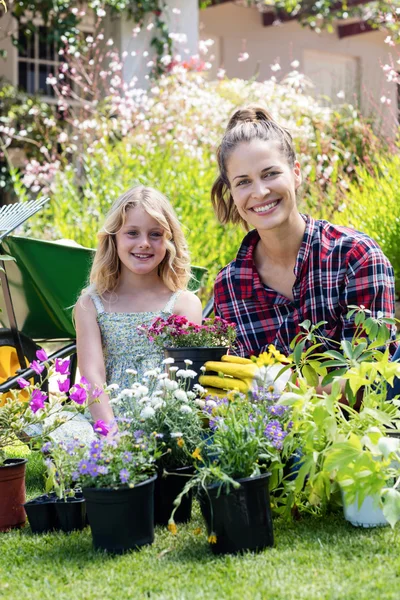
x=101 y=427
x=23 y=383
x=37 y=367
x=97 y=392
x=63 y=386
x=84 y=381
x=79 y=394
x=41 y=355
x=37 y=400
x=62 y=366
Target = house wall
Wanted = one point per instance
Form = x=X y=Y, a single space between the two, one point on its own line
x=356 y=59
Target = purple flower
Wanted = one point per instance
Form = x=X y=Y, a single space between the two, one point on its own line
x=79 y=395
x=63 y=386
x=138 y=434
x=102 y=470
x=84 y=381
x=93 y=469
x=62 y=366
x=83 y=467
x=127 y=457
x=124 y=475
x=37 y=400
x=46 y=447
x=41 y=355
x=277 y=410
x=101 y=427
x=23 y=383
x=75 y=476
x=37 y=367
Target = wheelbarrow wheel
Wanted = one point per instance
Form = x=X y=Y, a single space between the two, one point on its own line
x=9 y=363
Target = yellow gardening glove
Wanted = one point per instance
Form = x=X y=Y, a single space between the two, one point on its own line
x=231 y=373
x=237 y=373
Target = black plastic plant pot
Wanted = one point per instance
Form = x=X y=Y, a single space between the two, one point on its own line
x=121 y=519
x=198 y=356
x=41 y=513
x=166 y=490
x=240 y=520
x=70 y=514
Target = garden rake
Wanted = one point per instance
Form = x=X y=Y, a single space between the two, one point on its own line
x=13 y=215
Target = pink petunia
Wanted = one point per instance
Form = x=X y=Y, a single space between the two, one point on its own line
x=63 y=386
x=37 y=400
x=62 y=366
x=79 y=394
x=23 y=383
x=37 y=367
x=101 y=427
x=97 y=392
x=41 y=355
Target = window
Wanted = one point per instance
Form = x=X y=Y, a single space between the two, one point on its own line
x=37 y=59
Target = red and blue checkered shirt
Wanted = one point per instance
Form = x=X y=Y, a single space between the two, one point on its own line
x=336 y=267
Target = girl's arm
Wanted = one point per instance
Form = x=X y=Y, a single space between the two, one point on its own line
x=90 y=356
x=188 y=305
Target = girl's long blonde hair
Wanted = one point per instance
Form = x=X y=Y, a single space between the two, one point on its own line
x=174 y=269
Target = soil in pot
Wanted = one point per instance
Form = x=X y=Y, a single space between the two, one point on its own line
x=166 y=490
x=12 y=493
x=41 y=513
x=240 y=520
x=121 y=519
x=198 y=356
x=71 y=514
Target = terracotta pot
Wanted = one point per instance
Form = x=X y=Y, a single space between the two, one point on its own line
x=12 y=493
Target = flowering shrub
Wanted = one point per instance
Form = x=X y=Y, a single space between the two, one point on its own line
x=177 y=332
x=120 y=460
x=162 y=407
x=59 y=460
x=32 y=415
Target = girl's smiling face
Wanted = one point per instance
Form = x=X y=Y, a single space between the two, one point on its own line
x=140 y=242
x=262 y=183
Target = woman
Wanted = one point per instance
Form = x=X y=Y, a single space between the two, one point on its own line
x=289 y=267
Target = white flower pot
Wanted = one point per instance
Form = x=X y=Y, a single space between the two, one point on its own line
x=368 y=515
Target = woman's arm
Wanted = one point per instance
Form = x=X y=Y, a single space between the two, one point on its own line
x=188 y=305
x=90 y=356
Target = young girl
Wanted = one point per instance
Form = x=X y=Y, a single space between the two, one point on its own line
x=140 y=271
x=290 y=267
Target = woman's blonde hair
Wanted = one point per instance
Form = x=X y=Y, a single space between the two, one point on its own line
x=246 y=124
x=174 y=269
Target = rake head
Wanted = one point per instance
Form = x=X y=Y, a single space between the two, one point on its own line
x=13 y=215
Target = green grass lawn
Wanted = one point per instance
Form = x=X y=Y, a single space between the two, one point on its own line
x=312 y=559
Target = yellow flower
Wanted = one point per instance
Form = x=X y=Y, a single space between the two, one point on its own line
x=180 y=442
x=172 y=528
x=212 y=539
x=197 y=531
x=196 y=454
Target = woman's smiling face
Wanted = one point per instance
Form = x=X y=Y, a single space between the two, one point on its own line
x=262 y=183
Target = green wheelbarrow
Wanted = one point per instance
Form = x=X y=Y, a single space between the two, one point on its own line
x=39 y=289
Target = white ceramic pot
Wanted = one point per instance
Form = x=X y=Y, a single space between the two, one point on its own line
x=368 y=515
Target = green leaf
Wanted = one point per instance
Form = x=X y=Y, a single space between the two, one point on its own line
x=310 y=375
x=391 y=506
x=298 y=352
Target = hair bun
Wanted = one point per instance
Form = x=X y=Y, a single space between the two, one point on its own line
x=252 y=113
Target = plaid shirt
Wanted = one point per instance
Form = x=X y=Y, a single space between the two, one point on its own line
x=335 y=267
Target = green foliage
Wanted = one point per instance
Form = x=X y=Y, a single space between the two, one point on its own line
x=373 y=207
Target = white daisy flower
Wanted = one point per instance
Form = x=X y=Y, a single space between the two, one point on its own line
x=168 y=361
x=186 y=409
x=147 y=412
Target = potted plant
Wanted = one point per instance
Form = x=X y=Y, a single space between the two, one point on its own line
x=235 y=464
x=183 y=340
x=117 y=475
x=342 y=458
x=62 y=507
x=162 y=406
x=31 y=419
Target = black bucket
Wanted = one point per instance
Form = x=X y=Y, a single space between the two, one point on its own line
x=121 y=519
x=71 y=514
x=240 y=520
x=41 y=513
x=166 y=490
